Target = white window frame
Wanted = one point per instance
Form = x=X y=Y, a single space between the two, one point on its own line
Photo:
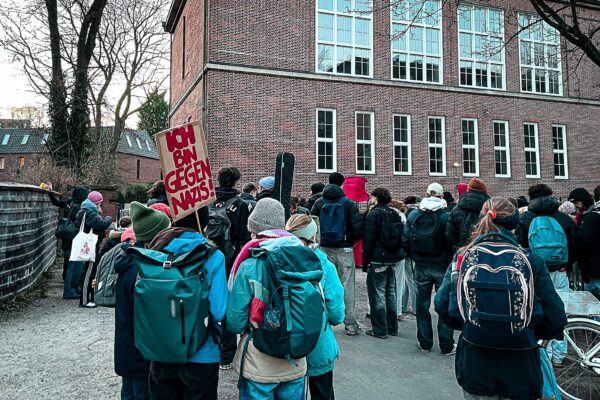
x=406 y=144
x=362 y=141
x=535 y=149
x=564 y=150
x=148 y=145
x=45 y=138
x=505 y=149
x=408 y=53
x=128 y=140
x=5 y=139
x=436 y=145
x=25 y=139
x=532 y=66
x=139 y=143
x=488 y=34
x=334 y=42
x=470 y=146
x=326 y=140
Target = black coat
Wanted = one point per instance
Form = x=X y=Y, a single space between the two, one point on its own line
x=238 y=214
x=264 y=194
x=504 y=373
x=587 y=244
x=546 y=206
x=463 y=218
x=93 y=222
x=312 y=200
x=353 y=219
x=378 y=220
x=129 y=362
x=72 y=207
x=250 y=200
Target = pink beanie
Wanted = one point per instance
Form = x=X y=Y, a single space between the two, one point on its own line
x=128 y=234
x=95 y=197
x=354 y=189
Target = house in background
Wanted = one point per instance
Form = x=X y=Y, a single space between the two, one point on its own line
x=137 y=156
x=403 y=95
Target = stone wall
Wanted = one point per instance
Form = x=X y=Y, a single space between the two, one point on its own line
x=27 y=243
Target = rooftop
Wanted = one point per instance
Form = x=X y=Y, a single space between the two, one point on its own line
x=33 y=141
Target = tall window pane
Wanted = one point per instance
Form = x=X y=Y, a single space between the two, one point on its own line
x=437 y=146
x=402 y=151
x=559 y=148
x=326 y=141
x=470 y=147
x=365 y=142
x=532 y=161
x=501 y=149
x=416 y=36
x=344 y=37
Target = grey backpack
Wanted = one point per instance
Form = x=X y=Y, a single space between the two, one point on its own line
x=106 y=278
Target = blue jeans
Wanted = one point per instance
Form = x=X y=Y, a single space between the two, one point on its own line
x=426 y=277
x=135 y=389
x=558 y=348
x=381 y=287
x=292 y=390
x=410 y=288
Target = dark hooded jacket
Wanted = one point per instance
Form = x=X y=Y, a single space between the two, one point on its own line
x=587 y=244
x=129 y=362
x=93 y=221
x=463 y=218
x=238 y=213
x=158 y=199
x=374 y=249
x=546 y=206
x=267 y=193
x=353 y=219
x=249 y=199
x=312 y=200
x=71 y=206
x=508 y=374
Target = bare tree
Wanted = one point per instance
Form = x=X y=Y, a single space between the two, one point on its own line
x=35 y=115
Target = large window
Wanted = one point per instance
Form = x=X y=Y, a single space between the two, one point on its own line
x=539 y=46
x=365 y=143
x=532 y=159
x=470 y=147
x=344 y=37
x=417 y=41
x=559 y=147
x=402 y=158
x=437 y=146
x=501 y=149
x=326 y=146
x=480 y=41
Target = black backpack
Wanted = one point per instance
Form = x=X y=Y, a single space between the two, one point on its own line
x=218 y=230
x=427 y=236
x=390 y=234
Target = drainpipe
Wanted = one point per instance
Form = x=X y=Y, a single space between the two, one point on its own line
x=204 y=62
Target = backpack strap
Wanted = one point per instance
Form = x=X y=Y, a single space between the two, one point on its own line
x=500 y=235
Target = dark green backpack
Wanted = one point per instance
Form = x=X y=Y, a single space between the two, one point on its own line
x=171 y=318
x=293 y=317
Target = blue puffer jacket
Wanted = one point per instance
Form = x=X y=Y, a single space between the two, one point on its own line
x=322 y=359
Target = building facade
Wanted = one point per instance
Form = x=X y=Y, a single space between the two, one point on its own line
x=404 y=95
x=137 y=157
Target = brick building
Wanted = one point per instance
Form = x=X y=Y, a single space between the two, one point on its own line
x=137 y=157
x=403 y=96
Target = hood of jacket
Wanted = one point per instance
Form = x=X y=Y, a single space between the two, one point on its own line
x=546 y=205
x=315 y=197
x=88 y=205
x=432 y=204
x=472 y=201
x=333 y=192
x=225 y=193
x=124 y=262
x=246 y=196
x=80 y=194
x=185 y=242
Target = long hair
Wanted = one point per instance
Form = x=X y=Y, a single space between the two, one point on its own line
x=494 y=206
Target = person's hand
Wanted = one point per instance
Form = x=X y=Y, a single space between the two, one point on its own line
x=94 y=283
x=49 y=185
x=99 y=209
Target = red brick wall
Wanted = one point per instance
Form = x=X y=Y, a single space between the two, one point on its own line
x=126 y=170
x=276 y=114
x=10 y=173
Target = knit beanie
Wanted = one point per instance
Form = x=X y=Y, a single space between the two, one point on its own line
x=567 y=207
x=162 y=208
x=308 y=232
x=582 y=195
x=462 y=188
x=267 y=182
x=95 y=197
x=128 y=234
x=268 y=214
x=477 y=185
x=147 y=222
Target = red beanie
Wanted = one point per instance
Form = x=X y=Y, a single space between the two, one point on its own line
x=462 y=188
x=162 y=208
x=354 y=188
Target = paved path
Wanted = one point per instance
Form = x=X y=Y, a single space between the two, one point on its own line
x=55 y=350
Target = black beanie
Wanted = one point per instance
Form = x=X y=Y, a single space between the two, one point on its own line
x=582 y=195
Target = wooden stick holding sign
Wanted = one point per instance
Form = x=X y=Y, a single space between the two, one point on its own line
x=186 y=169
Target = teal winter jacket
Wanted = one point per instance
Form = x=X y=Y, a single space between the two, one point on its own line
x=322 y=358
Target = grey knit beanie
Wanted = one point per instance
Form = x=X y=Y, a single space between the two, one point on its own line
x=267 y=214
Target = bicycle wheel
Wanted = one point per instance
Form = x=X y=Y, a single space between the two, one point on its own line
x=579 y=376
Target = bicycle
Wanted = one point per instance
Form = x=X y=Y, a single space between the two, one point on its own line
x=579 y=376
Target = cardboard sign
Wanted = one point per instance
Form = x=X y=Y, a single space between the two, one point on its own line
x=186 y=169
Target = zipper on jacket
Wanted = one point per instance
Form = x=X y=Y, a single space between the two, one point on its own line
x=182 y=318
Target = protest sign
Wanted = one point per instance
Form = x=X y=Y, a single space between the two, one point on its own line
x=186 y=168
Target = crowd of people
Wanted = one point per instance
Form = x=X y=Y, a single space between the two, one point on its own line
x=275 y=288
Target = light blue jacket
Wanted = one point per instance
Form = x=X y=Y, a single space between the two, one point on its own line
x=217 y=296
x=322 y=358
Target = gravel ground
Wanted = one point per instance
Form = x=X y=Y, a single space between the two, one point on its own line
x=55 y=350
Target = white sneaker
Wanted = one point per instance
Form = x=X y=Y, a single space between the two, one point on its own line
x=91 y=305
x=451 y=352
